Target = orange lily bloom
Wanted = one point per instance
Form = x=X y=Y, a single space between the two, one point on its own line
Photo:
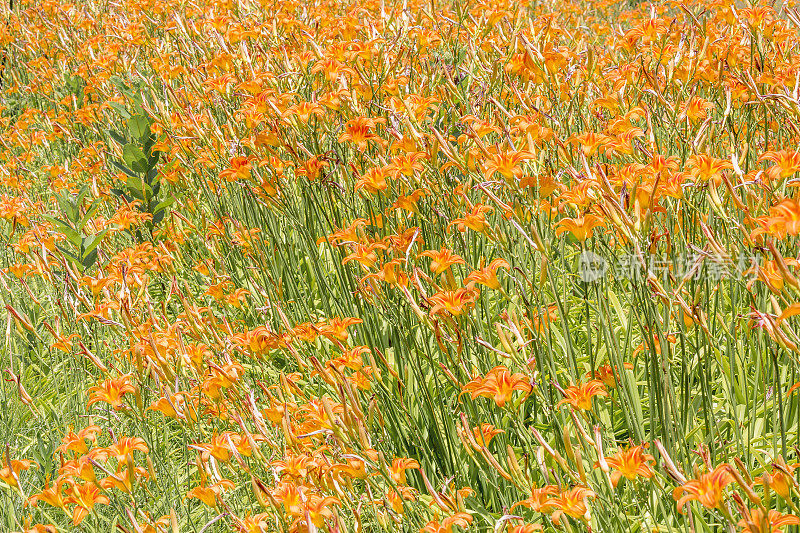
x=606 y=374
x=488 y=275
x=77 y=442
x=208 y=495
x=781 y=479
x=580 y=396
x=454 y=302
x=318 y=508
x=124 y=481
x=499 y=384
x=573 y=503
x=589 y=142
x=462 y=520
x=83 y=466
x=707 y=168
x=10 y=469
x=125 y=446
x=485 y=433
x=787 y=215
x=630 y=463
x=111 y=391
x=541 y=499
x=408 y=202
x=525 y=528
x=474 y=220
x=787 y=162
x=238 y=169
x=442 y=259
x=390 y=273
x=336 y=328
x=707 y=489
x=755 y=521
x=697 y=109
x=85 y=497
x=581 y=226
x=359 y=131
x=399 y=467
x=373 y=180
x=506 y=164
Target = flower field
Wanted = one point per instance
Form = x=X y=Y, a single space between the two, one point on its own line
x=425 y=266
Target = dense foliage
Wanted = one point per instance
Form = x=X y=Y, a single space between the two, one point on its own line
x=424 y=266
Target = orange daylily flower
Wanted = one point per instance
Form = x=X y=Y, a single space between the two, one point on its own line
x=488 y=275
x=783 y=219
x=525 y=528
x=541 y=500
x=781 y=478
x=373 y=180
x=589 y=142
x=399 y=467
x=111 y=391
x=697 y=109
x=390 y=273
x=462 y=520
x=51 y=495
x=123 y=480
x=630 y=463
x=408 y=202
x=318 y=508
x=580 y=396
x=572 y=503
x=442 y=259
x=125 y=446
x=704 y=167
x=755 y=521
x=10 y=469
x=77 y=442
x=506 y=164
x=85 y=497
x=453 y=302
x=209 y=494
x=474 y=220
x=336 y=328
x=786 y=163
x=581 y=227
x=606 y=374
x=359 y=131
x=707 y=489
x=499 y=384
x=238 y=169
x=484 y=434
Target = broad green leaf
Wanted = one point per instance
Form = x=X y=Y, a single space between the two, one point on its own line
x=134 y=157
x=117 y=137
x=123 y=168
x=139 y=127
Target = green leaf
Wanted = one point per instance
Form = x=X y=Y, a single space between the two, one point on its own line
x=164 y=204
x=123 y=168
x=65 y=228
x=91 y=242
x=118 y=138
x=89 y=259
x=151 y=163
x=139 y=127
x=69 y=255
x=89 y=214
x=120 y=109
x=134 y=157
x=68 y=208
